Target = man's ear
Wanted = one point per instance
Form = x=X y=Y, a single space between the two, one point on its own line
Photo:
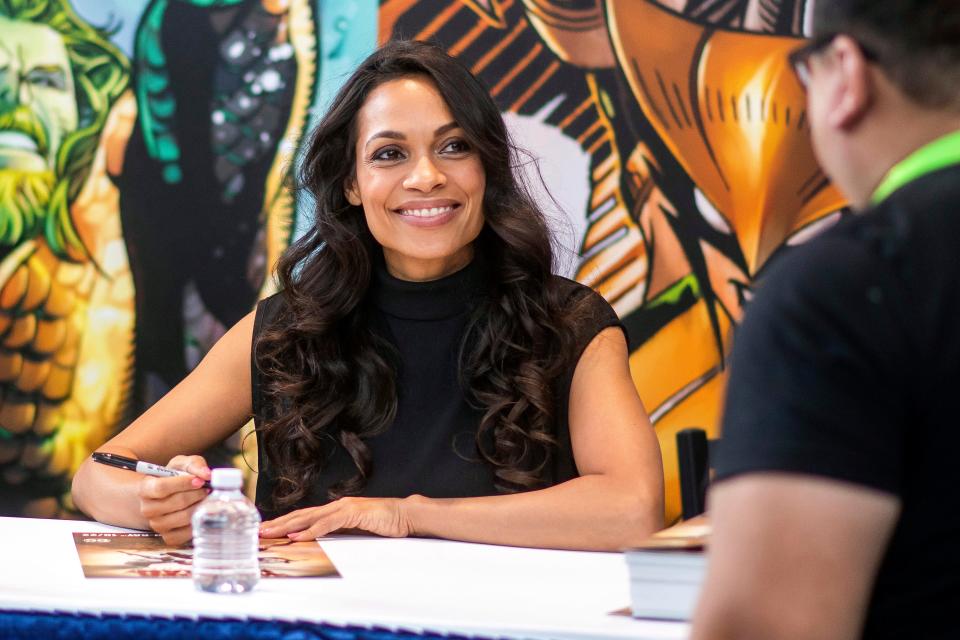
x=853 y=91
x=350 y=190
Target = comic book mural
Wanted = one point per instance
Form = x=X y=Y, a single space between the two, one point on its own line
x=223 y=89
x=145 y=146
x=66 y=294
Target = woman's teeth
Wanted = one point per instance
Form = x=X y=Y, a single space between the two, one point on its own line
x=426 y=213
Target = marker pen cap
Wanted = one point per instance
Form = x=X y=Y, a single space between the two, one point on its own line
x=226 y=478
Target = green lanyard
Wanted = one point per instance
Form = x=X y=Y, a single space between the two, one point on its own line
x=940 y=153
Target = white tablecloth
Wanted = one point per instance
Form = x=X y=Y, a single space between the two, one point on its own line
x=412 y=584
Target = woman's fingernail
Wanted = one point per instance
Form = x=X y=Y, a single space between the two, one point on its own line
x=197 y=482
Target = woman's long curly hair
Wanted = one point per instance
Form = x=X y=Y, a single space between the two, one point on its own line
x=328 y=376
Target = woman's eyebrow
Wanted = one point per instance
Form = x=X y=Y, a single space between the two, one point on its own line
x=393 y=135
x=447 y=127
x=396 y=135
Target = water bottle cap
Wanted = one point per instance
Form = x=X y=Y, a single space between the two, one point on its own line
x=226 y=478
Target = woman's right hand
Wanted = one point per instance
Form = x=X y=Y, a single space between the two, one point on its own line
x=168 y=503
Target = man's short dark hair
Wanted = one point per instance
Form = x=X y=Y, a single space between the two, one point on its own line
x=916 y=42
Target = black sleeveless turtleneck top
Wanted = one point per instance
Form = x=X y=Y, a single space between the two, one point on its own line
x=430 y=447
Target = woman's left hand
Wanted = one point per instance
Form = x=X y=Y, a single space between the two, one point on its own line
x=380 y=516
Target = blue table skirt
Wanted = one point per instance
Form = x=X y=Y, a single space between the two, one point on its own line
x=43 y=626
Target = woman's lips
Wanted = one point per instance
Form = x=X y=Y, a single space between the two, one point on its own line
x=428 y=215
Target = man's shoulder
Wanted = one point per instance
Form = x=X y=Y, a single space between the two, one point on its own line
x=932 y=194
x=921 y=219
x=886 y=249
x=829 y=268
x=913 y=221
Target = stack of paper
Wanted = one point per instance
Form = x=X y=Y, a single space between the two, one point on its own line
x=666 y=572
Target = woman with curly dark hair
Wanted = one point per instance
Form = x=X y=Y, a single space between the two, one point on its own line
x=421 y=371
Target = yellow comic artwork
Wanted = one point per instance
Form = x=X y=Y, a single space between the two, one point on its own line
x=726 y=106
x=140 y=211
x=66 y=294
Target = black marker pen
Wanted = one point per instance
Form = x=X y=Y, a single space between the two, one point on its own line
x=146 y=468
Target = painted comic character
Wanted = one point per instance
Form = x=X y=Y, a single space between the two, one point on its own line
x=66 y=294
x=223 y=91
x=721 y=177
x=223 y=88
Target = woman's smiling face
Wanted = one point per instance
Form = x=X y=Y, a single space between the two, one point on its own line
x=418 y=180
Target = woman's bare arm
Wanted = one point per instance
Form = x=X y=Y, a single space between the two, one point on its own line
x=212 y=402
x=618 y=498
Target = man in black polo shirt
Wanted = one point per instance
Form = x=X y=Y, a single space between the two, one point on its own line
x=836 y=507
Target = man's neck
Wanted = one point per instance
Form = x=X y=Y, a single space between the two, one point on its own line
x=894 y=134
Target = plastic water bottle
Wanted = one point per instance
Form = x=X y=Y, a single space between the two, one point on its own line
x=225 y=537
